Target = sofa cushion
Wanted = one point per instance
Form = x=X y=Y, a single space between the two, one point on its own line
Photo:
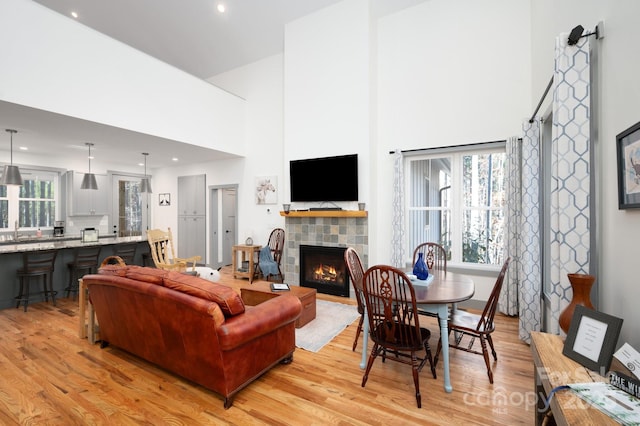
x=227 y=298
x=148 y=275
x=117 y=270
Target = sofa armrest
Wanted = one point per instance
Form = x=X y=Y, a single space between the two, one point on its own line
x=258 y=321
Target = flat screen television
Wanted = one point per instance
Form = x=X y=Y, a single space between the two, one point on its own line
x=324 y=179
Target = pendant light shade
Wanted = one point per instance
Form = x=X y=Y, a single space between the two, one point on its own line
x=145 y=186
x=89 y=179
x=11 y=173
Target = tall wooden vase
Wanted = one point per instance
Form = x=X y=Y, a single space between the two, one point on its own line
x=581 y=285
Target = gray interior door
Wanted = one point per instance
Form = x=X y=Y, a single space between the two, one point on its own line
x=229 y=222
x=223 y=210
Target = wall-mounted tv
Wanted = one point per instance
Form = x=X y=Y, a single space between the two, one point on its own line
x=324 y=179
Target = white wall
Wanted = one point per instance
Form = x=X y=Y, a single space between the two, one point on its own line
x=449 y=73
x=261 y=84
x=352 y=84
x=326 y=92
x=53 y=63
x=619 y=93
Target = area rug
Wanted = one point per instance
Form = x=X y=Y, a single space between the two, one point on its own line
x=331 y=319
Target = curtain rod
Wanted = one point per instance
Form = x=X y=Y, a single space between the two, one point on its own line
x=544 y=95
x=404 y=151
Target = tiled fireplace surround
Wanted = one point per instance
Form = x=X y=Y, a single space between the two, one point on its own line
x=322 y=231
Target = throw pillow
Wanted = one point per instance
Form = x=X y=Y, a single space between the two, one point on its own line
x=148 y=275
x=227 y=298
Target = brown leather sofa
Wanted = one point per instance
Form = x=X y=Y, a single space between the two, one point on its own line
x=197 y=329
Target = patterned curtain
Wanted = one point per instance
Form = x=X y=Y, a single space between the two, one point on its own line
x=397 y=223
x=508 y=302
x=571 y=202
x=521 y=293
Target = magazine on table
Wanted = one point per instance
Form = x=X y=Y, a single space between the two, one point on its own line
x=280 y=287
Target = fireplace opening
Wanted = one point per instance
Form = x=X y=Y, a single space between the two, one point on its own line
x=323 y=268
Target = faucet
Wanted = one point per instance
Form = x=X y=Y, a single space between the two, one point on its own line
x=15 y=233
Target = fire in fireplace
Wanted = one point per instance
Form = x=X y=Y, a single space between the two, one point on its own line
x=323 y=268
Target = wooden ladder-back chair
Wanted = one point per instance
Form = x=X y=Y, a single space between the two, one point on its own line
x=394 y=326
x=164 y=254
x=463 y=324
x=276 y=245
x=435 y=256
x=356 y=274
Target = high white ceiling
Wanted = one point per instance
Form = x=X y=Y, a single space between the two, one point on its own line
x=191 y=35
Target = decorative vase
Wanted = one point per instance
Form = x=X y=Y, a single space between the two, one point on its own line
x=420 y=269
x=581 y=286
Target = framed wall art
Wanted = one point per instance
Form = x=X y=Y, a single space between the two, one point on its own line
x=267 y=190
x=164 y=199
x=628 y=154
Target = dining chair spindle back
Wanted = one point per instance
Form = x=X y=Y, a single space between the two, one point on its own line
x=394 y=325
x=356 y=275
x=465 y=324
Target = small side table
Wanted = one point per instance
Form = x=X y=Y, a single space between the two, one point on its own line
x=87 y=329
x=247 y=254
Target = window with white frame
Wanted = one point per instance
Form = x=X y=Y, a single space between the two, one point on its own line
x=32 y=205
x=4 y=207
x=456 y=198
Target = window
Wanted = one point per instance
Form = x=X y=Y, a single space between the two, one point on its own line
x=457 y=199
x=4 y=207
x=130 y=208
x=32 y=205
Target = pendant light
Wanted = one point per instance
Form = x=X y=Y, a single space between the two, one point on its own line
x=89 y=179
x=145 y=186
x=11 y=173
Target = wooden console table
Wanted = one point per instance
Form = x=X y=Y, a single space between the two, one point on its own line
x=552 y=369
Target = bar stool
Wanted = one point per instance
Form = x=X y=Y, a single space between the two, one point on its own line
x=36 y=264
x=147 y=260
x=126 y=252
x=85 y=261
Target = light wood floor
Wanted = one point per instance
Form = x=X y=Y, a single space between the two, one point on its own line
x=50 y=376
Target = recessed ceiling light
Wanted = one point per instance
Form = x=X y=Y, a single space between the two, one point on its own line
x=221 y=7
x=24 y=148
x=140 y=164
x=174 y=159
x=74 y=14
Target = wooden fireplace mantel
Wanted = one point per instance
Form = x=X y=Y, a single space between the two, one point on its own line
x=325 y=213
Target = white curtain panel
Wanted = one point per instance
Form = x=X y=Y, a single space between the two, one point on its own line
x=523 y=284
x=508 y=302
x=570 y=202
x=397 y=221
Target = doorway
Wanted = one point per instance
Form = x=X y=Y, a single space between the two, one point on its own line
x=224 y=224
x=130 y=207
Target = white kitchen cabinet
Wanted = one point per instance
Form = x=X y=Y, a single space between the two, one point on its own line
x=192 y=226
x=192 y=238
x=85 y=202
x=192 y=195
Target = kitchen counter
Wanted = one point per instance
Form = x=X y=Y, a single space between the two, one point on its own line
x=11 y=259
x=48 y=243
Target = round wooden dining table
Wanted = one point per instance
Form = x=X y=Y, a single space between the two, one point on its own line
x=435 y=295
